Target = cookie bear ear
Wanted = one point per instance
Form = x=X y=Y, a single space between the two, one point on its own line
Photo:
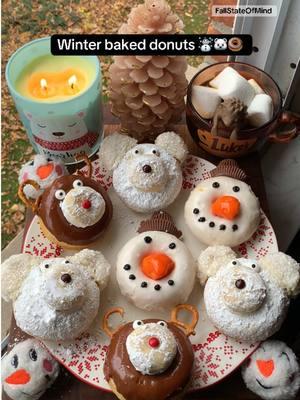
x=284 y=270
x=96 y=264
x=211 y=260
x=173 y=144
x=14 y=270
x=113 y=149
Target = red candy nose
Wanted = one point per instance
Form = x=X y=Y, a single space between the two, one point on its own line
x=153 y=342
x=47 y=365
x=86 y=204
x=19 y=377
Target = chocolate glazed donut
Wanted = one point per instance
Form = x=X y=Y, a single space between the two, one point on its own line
x=135 y=386
x=50 y=212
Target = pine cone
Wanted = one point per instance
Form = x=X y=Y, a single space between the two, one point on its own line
x=147 y=92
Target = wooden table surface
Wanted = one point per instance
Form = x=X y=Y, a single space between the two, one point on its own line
x=68 y=387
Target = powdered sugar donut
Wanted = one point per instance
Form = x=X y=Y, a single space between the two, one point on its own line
x=223 y=210
x=272 y=372
x=147 y=177
x=55 y=299
x=28 y=370
x=43 y=170
x=155 y=269
x=243 y=299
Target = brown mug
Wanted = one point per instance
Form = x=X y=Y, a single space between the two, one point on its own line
x=282 y=127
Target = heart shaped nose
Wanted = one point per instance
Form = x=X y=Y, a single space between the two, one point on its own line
x=265 y=367
x=227 y=207
x=157 y=265
x=44 y=171
x=147 y=169
x=19 y=377
x=86 y=204
x=153 y=342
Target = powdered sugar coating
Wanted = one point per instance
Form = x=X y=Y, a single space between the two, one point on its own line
x=151 y=360
x=174 y=288
x=251 y=326
x=147 y=191
x=75 y=213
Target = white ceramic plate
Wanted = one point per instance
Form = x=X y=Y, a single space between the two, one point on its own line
x=216 y=355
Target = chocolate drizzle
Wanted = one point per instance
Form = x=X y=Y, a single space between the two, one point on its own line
x=229 y=168
x=160 y=221
x=132 y=384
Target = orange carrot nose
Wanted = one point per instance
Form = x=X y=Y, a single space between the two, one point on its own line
x=157 y=265
x=19 y=377
x=44 y=171
x=266 y=367
x=227 y=207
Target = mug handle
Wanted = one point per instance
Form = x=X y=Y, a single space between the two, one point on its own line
x=286 y=135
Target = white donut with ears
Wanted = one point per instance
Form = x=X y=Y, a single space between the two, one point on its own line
x=247 y=299
x=58 y=298
x=147 y=177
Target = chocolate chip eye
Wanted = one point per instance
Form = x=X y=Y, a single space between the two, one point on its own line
x=162 y=323
x=31 y=163
x=77 y=183
x=15 y=361
x=235 y=227
x=172 y=246
x=60 y=194
x=33 y=354
x=215 y=185
x=253 y=266
x=236 y=189
x=147 y=239
x=136 y=151
x=240 y=283
x=196 y=210
x=46 y=266
x=156 y=152
x=137 y=323
x=67 y=262
x=234 y=262
x=127 y=267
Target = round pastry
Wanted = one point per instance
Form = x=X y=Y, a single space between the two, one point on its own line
x=150 y=359
x=155 y=270
x=55 y=299
x=235 y=44
x=223 y=209
x=28 y=370
x=243 y=297
x=43 y=170
x=272 y=372
x=74 y=211
x=147 y=177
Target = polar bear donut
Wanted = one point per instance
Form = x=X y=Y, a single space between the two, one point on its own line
x=223 y=210
x=155 y=269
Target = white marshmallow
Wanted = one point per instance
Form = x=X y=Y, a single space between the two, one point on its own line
x=256 y=87
x=205 y=100
x=260 y=110
x=230 y=84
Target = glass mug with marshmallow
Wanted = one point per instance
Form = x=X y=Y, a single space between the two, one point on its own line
x=233 y=108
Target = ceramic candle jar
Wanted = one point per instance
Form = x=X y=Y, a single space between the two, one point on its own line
x=58 y=99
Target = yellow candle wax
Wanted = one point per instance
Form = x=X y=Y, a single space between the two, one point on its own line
x=55 y=79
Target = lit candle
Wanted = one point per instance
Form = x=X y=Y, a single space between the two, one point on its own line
x=43 y=84
x=72 y=81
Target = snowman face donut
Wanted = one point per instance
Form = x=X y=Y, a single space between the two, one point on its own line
x=147 y=178
x=155 y=270
x=272 y=371
x=43 y=170
x=243 y=302
x=222 y=210
x=28 y=370
x=151 y=347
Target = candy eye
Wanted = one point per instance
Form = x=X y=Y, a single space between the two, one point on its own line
x=136 y=152
x=46 y=266
x=215 y=185
x=31 y=163
x=33 y=354
x=15 y=361
x=236 y=189
x=156 y=152
x=60 y=194
x=77 y=183
x=137 y=323
x=67 y=262
x=162 y=323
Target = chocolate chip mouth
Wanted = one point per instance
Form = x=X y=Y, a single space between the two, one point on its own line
x=263 y=386
x=58 y=134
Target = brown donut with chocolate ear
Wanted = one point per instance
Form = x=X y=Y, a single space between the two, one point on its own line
x=78 y=220
x=130 y=384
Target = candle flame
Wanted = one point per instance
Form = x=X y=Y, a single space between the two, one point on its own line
x=43 y=83
x=72 y=81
